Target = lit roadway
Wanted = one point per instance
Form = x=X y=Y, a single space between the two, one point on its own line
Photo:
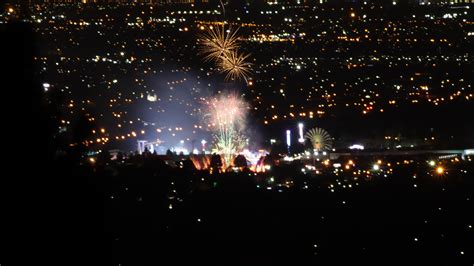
x=442 y=154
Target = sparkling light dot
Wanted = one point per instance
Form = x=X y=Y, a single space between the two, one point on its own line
x=440 y=170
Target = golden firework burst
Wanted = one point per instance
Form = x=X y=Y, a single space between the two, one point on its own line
x=218 y=41
x=235 y=65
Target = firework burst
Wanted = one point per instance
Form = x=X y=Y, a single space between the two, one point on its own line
x=236 y=66
x=226 y=116
x=217 y=42
x=220 y=45
x=320 y=139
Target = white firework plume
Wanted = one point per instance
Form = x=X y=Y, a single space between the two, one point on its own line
x=226 y=116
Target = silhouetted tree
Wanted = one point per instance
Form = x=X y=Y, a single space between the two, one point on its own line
x=103 y=157
x=146 y=153
x=188 y=166
x=216 y=161
x=81 y=131
x=193 y=142
x=240 y=161
x=120 y=156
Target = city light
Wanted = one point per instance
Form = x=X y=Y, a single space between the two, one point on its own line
x=46 y=86
x=440 y=170
x=356 y=147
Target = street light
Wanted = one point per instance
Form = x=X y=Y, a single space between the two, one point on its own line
x=376 y=167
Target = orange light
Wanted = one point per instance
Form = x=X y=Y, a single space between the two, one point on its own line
x=440 y=170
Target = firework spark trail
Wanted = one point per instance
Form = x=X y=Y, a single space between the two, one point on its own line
x=223 y=8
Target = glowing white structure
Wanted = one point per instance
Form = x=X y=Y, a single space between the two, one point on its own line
x=288 y=139
x=357 y=147
x=300 y=131
x=147 y=145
